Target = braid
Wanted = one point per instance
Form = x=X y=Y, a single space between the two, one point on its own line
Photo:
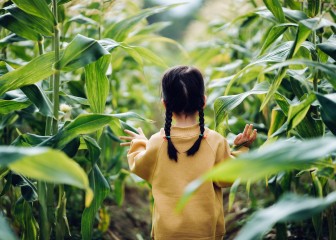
x=197 y=144
x=172 y=151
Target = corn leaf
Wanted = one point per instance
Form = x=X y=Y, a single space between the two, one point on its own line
x=289 y=208
x=275 y=32
x=80 y=52
x=120 y=30
x=27 y=74
x=97 y=82
x=298 y=111
x=275 y=7
x=223 y=105
x=19 y=28
x=37 y=24
x=46 y=165
x=7 y=106
x=101 y=190
x=274 y=158
x=85 y=124
x=37 y=8
x=329 y=47
x=301 y=35
x=328 y=113
x=39 y=98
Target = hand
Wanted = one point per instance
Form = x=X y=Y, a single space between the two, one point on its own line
x=131 y=136
x=247 y=137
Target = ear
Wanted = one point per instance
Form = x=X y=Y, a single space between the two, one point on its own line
x=204 y=99
x=163 y=102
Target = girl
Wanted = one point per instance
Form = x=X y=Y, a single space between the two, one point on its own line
x=180 y=153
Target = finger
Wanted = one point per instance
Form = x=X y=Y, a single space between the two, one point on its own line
x=245 y=130
x=254 y=135
x=250 y=130
x=140 y=130
x=126 y=138
x=130 y=132
x=238 y=138
x=125 y=144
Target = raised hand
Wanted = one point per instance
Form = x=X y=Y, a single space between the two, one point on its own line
x=247 y=137
x=131 y=136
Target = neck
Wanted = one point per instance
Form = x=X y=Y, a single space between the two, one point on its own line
x=183 y=120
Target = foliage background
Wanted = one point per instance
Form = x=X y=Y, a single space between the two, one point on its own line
x=286 y=55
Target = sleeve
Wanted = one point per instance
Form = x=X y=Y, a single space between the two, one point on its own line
x=142 y=158
x=224 y=154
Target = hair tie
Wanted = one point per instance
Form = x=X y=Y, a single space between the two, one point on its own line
x=166 y=137
x=203 y=135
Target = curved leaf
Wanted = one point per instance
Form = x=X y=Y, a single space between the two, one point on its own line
x=328 y=112
x=223 y=105
x=19 y=28
x=46 y=165
x=37 y=8
x=101 y=190
x=80 y=52
x=290 y=207
x=97 y=82
x=7 y=106
x=37 y=24
x=273 y=158
x=39 y=98
x=275 y=7
x=329 y=47
x=120 y=30
x=28 y=73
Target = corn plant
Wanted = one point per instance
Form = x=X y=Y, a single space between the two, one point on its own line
x=283 y=55
x=58 y=120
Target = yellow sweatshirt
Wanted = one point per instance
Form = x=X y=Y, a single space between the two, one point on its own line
x=203 y=216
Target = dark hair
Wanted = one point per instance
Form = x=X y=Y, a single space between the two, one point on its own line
x=183 y=92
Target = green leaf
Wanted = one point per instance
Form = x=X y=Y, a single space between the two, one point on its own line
x=223 y=105
x=275 y=7
x=313 y=7
x=317 y=23
x=275 y=32
x=39 y=98
x=301 y=35
x=96 y=82
x=273 y=158
x=46 y=165
x=12 y=38
x=101 y=190
x=120 y=30
x=150 y=56
x=7 y=106
x=37 y=8
x=85 y=124
x=24 y=214
x=233 y=191
x=6 y=232
x=298 y=111
x=19 y=28
x=278 y=118
x=329 y=47
x=36 y=70
x=93 y=148
x=119 y=186
x=108 y=44
x=328 y=69
x=80 y=52
x=290 y=207
x=328 y=112
x=37 y=24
